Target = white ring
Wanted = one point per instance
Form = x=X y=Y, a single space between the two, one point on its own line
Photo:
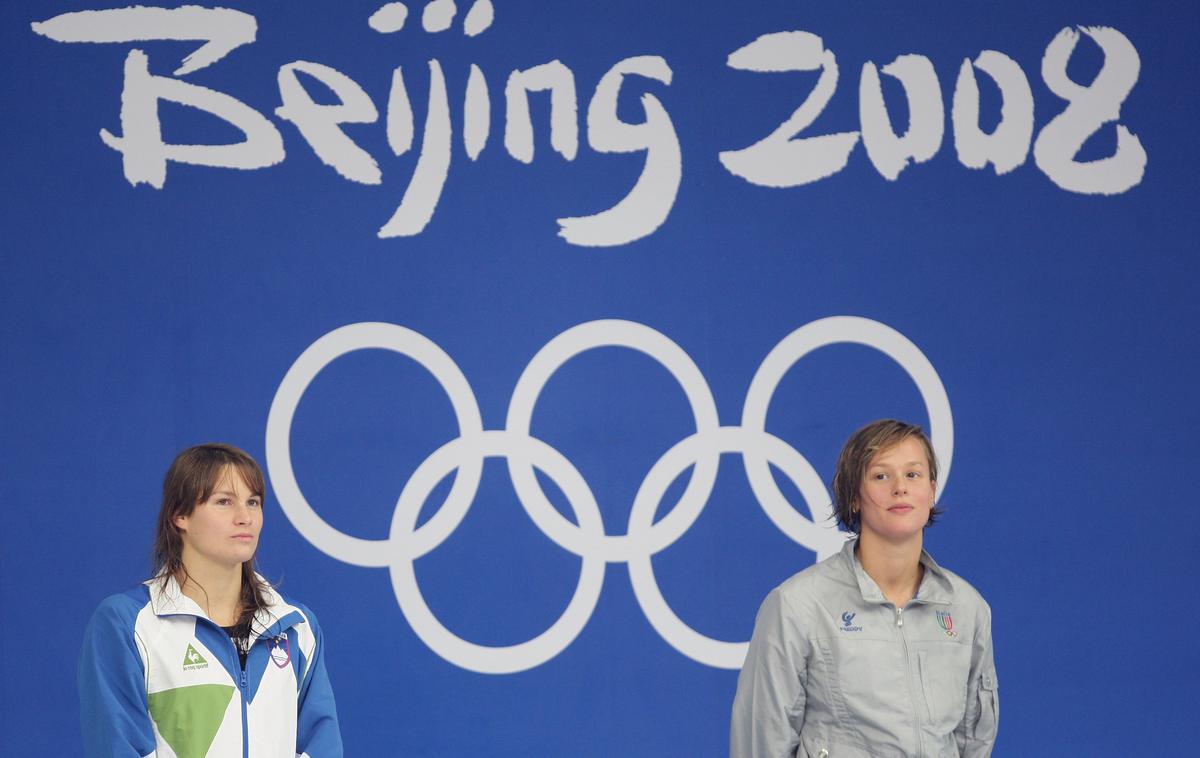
x=482 y=658
x=533 y=380
x=831 y=331
x=729 y=439
x=368 y=335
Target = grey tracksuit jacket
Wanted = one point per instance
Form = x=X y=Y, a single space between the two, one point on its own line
x=835 y=671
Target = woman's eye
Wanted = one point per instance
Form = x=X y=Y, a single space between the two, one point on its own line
x=914 y=474
x=254 y=504
x=223 y=501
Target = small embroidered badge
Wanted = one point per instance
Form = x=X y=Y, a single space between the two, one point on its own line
x=946 y=622
x=848 y=624
x=281 y=651
x=192 y=660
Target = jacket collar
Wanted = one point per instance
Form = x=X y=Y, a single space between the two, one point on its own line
x=935 y=585
x=167 y=599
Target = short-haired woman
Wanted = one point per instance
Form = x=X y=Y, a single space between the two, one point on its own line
x=205 y=658
x=876 y=650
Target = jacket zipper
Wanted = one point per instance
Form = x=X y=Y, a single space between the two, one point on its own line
x=242 y=693
x=908 y=675
x=280 y=627
x=242 y=683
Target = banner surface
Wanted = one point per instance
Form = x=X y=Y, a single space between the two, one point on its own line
x=547 y=321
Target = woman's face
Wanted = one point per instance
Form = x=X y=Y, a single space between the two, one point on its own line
x=222 y=531
x=896 y=494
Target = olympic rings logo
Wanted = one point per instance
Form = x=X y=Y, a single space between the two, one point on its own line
x=644 y=537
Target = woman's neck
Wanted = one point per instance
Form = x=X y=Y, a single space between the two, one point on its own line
x=216 y=589
x=895 y=567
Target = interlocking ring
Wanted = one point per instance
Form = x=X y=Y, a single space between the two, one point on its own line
x=831 y=331
x=466 y=451
x=348 y=339
x=614 y=548
x=644 y=536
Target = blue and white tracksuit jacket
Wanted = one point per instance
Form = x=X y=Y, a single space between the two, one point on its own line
x=158 y=678
x=834 y=670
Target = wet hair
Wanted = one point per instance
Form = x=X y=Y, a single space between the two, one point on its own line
x=190 y=480
x=856 y=456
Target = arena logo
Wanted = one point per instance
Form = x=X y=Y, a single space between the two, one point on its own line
x=645 y=535
x=783 y=158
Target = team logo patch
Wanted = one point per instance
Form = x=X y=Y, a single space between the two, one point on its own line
x=192 y=660
x=848 y=624
x=281 y=651
x=946 y=622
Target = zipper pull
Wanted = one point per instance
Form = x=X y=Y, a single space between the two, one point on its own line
x=243 y=680
x=899 y=617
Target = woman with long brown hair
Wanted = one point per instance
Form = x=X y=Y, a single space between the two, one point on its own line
x=206 y=658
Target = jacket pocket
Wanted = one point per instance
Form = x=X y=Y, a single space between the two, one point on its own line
x=989 y=707
x=943 y=672
x=923 y=669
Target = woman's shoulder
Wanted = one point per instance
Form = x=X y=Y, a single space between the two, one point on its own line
x=816 y=582
x=295 y=605
x=281 y=605
x=963 y=592
x=120 y=611
x=130 y=601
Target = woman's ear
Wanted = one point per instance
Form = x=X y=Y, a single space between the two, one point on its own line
x=181 y=523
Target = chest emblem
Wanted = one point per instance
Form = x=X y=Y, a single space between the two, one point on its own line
x=848 y=624
x=192 y=660
x=281 y=651
x=946 y=622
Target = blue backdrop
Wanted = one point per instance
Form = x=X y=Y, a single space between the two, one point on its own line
x=547 y=383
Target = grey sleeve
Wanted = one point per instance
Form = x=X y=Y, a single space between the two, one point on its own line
x=976 y=734
x=768 y=710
